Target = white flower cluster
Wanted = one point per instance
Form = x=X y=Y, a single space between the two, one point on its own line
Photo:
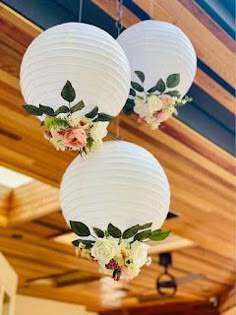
x=118 y=258
x=154 y=109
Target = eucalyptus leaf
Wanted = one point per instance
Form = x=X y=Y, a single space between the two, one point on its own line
x=141 y=236
x=145 y=226
x=98 y=232
x=173 y=93
x=161 y=86
x=132 y=92
x=103 y=117
x=79 y=228
x=159 y=235
x=114 y=231
x=68 y=92
x=33 y=110
x=80 y=105
x=129 y=106
x=153 y=89
x=137 y=86
x=173 y=80
x=132 y=231
x=140 y=75
x=93 y=113
x=62 y=110
x=47 y=110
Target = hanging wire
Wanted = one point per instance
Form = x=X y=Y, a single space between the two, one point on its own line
x=119 y=8
x=119 y=27
x=80 y=15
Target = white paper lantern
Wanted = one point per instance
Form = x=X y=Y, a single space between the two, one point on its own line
x=121 y=183
x=159 y=49
x=85 y=55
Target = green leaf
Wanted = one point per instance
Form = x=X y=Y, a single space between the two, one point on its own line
x=55 y=122
x=33 y=110
x=62 y=110
x=114 y=231
x=128 y=233
x=142 y=235
x=140 y=75
x=90 y=142
x=161 y=86
x=137 y=86
x=173 y=80
x=98 y=232
x=68 y=92
x=173 y=93
x=129 y=106
x=145 y=226
x=80 y=105
x=47 y=110
x=153 y=89
x=92 y=113
x=88 y=244
x=159 y=235
x=103 y=117
x=79 y=228
x=132 y=92
x=76 y=243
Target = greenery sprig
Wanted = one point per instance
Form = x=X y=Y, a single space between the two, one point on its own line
x=160 y=88
x=68 y=94
x=134 y=233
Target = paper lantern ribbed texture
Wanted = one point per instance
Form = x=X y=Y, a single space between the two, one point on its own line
x=159 y=49
x=85 y=55
x=121 y=183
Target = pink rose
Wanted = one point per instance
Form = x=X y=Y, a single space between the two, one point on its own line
x=73 y=138
x=166 y=100
x=163 y=115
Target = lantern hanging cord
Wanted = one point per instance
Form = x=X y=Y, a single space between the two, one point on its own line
x=80 y=11
x=119 y=7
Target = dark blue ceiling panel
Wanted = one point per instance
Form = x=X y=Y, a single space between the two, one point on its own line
x=204 y=115
x=222 y=12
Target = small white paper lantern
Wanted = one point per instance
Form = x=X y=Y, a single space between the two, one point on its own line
x=85 y=55
x=159 y=49
x=121 y=183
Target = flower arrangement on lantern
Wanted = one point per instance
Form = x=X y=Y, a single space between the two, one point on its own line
x=158 y=103
x=72 y=132
x=120 y=255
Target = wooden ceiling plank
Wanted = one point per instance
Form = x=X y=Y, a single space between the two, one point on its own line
x=43 y=201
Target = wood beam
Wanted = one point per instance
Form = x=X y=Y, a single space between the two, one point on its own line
x=32 y=201
x=5 y=196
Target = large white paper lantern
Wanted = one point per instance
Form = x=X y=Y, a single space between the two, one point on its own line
x=159 y=49
x=121 y=183
x=85 y=55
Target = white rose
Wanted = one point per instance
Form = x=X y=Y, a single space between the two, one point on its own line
x=140 y=106
x=154 y=104
x=99 y=130
x=139 y=253
x=104 y=250
x=133 y=271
